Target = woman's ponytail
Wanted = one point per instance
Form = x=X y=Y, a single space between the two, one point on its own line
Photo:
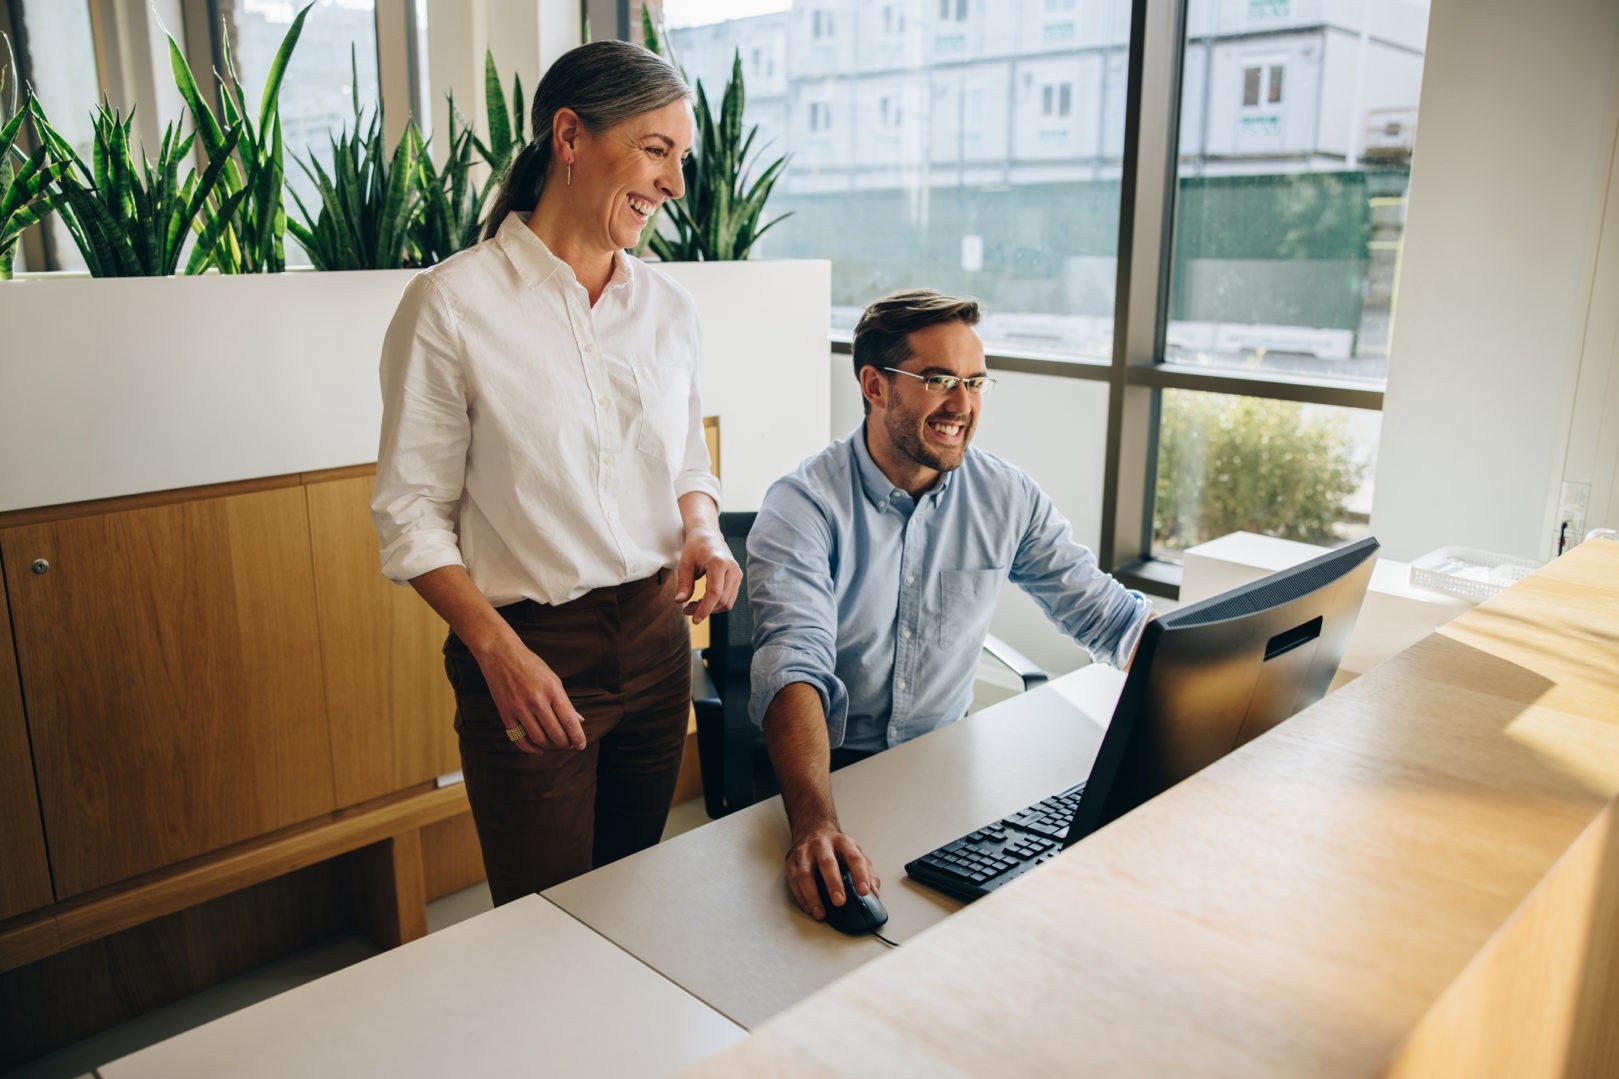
x=525 y=178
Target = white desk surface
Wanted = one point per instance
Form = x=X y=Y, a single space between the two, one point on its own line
x=521 y=990
x=723 y=924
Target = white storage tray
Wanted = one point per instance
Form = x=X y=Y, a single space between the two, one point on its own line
x=1467 y=571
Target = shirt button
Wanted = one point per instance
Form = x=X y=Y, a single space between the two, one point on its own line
x=905 y=633
x=900 y=684
x=612 y=515
x=589 y=347
x=910 y=578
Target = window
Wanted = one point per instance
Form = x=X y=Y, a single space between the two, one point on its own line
x=822 y=24
x=1286 y=243
x=53 y=40
x=1261 y=83
x=339 y=38
x=1243 y=349
x=976 y=160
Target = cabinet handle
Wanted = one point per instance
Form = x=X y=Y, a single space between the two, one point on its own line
x=40 y=565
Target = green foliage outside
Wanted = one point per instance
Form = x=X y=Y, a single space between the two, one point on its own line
x=1228 y=464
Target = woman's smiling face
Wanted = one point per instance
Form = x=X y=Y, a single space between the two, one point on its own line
x=623 y=174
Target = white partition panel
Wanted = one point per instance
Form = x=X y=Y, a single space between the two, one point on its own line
x=122 y=386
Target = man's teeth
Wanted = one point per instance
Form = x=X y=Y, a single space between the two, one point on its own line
x=642 y=208
x=949 y=430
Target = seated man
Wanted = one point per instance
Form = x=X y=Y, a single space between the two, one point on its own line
x=874 y=568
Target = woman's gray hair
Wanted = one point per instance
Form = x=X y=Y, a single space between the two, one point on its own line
x=604 y=82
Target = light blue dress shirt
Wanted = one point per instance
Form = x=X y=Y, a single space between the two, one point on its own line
x=882 y=602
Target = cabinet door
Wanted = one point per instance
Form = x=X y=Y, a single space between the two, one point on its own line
x=171 y=666
x=25 y=879
x=389 y=702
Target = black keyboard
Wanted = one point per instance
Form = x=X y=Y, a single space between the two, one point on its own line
x=984 y=859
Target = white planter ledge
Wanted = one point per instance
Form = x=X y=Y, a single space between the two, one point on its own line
x=122 y=386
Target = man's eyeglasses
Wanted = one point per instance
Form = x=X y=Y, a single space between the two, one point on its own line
x=978 y=384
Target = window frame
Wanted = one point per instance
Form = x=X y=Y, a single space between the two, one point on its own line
x=1139 y=371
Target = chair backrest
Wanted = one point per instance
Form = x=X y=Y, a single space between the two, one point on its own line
x=730 y=637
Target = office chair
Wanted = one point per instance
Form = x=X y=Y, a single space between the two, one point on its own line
x=731 y=752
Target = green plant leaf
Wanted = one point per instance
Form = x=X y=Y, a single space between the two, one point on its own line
x=268 y=103
x=209 y=239
x=500 y=135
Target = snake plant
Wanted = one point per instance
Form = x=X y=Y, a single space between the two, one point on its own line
x=129 y=220
x=451 y=214
x=27 y=191
x=246 y=223
x=718 y=219
x=367 y=201
x=504 y=140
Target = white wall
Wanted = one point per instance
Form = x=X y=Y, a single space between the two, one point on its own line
x=1520 y=106
x=124 y=386
x=1593 y=443
x=764 y=344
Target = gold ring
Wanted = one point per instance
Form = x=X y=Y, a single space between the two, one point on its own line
x=516 y=734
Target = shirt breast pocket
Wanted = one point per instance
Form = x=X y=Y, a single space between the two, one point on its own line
x=665 y=400
x=966 y=602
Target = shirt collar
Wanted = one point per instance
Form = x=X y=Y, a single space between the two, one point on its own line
x=535 y=263
x=878 y=487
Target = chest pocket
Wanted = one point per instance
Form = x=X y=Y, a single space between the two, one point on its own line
x=664 y=393
x=966 y=602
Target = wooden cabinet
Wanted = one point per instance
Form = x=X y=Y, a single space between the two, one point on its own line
x=387 y=700
x=171 y=664
x=25 y=878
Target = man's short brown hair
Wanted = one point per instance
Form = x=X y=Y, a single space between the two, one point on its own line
x=879 y=336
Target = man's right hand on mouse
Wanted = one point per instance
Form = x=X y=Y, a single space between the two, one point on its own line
x=826 y=845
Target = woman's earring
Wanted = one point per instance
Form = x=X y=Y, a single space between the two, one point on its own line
x=570 y=174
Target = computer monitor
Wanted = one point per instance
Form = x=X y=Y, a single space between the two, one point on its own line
x=1220 y=672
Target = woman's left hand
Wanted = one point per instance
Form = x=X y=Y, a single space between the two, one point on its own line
x=706 y=555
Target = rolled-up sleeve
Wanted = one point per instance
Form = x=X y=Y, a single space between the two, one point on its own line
x=1065 y=580
x=421 y=460
x=795 y=616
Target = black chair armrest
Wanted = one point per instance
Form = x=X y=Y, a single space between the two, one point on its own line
x=1014 y=661
x=703 y=690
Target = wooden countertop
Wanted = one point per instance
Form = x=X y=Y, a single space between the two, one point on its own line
x=1294 y=909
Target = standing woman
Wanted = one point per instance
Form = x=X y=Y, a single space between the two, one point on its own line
x=544 y=484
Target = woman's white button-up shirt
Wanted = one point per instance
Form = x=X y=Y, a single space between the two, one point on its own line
x=536 y=440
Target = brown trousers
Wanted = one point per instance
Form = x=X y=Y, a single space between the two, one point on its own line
x=623 y=655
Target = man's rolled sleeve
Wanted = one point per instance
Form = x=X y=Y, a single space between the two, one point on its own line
x=795 y=617
x=1064 y=578
x=421 y=457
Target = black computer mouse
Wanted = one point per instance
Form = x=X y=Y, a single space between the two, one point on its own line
x=859 y=913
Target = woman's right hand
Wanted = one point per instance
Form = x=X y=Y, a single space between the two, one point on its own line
x=530 y=695
x=527 y=692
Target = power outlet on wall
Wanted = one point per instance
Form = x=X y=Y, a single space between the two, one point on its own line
x=1571 y=505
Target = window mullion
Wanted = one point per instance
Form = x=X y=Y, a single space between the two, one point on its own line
x=1151 y=134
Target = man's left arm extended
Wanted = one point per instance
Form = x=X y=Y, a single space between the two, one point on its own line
x=1064 y=578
